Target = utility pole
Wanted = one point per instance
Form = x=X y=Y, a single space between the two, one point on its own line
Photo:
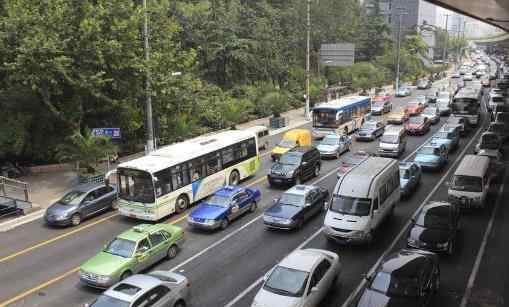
x=444 y=56
x=308 y=50
x=400 y=16
x=148 y=95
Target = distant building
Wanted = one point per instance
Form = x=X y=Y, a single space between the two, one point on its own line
x=417 y=13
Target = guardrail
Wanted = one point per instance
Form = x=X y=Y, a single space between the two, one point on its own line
x=14 y=189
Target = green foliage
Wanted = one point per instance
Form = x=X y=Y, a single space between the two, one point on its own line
x=86 y=149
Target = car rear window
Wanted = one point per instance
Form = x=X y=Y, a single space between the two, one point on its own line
x=127 y=289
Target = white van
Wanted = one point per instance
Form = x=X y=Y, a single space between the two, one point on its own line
x=262 y=133
x=471 y=182
x=393 y=142
x=362 y=199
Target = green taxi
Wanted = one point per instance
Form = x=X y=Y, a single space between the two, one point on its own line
x=131 y=252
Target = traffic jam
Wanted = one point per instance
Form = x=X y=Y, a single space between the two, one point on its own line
x=377 y=201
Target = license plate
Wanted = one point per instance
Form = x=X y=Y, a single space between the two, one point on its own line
x=277 y=180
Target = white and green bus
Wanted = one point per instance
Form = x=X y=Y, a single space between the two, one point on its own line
x=169 y=179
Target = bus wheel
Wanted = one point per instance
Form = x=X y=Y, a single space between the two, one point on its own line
x=181 y=204
x=234 y=178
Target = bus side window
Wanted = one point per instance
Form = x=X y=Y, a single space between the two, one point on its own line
x=163 y=183
x=197 y=169
x=179 y=176
x=213 y=163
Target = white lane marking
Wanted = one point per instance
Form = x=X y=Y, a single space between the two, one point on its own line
x=480 y=253
x=236 y=231
x=404 y=229
x=259 y=280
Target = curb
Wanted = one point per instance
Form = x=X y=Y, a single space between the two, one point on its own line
x=9 y=225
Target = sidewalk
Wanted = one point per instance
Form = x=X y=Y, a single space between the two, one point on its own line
x=46 y=188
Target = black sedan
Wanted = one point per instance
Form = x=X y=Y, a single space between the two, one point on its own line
x=295 y=207
x=435 y=228
x=406 y=278
x=82 y=202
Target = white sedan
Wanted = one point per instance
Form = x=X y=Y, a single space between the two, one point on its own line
x=302 y=279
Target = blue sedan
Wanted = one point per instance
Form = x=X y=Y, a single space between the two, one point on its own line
x=448 y=136
x=409 y=177
x=432 y=157
x=227 y=204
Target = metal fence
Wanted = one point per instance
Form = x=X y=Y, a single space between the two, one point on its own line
x=91 y=179
x=15 y=189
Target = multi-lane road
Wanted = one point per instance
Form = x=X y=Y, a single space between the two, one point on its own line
x=39 y=265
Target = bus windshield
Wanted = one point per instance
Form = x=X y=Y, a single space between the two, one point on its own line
x=325 y=118
x=351 y=205
x=136 y=185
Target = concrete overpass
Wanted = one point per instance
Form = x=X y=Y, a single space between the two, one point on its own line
x=494 y=12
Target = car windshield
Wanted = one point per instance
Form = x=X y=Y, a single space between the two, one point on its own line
x=434 y=218
x=287 y=144
x=108 y=301
x=287 y=282
x=416 y=120
x=404 y=173
x=330 y=141
x=369 y=126
x=443 y=104
x=136 y=185
x=395 y=285
x=290 y=159
x=378 y=104
x=73 y=198
x=219 y=200
x=390 y=138
x=292 y=199
x=429 y=111
x=120 y=247
x=351 y=205
x=428 y=151
x=467 y=183
x=441 y=135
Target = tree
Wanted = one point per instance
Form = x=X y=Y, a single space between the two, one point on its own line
x=86 y=149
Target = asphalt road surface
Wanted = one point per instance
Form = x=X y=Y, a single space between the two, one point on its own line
x=39 y=265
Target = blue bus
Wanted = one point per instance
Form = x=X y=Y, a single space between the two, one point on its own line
x=341 y=116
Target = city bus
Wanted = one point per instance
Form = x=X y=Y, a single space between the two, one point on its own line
x=467 y=103
x=170 y=179
x=341 y=116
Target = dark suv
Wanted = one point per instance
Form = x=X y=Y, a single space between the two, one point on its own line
x=295 y=166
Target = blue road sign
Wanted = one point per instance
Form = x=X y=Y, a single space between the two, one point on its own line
x=113 y=133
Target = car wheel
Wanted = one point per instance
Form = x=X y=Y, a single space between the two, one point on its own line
x=253 y=207
x=317 y=170
x=181 y=204
x=338 y=155
x=369 y=238
x=172 y=252
x=298 y=180
x=114 y=205
x=180 y=303
x=224 y=224
x=300 y=224
x=125 y=275
x=76 y=219
x=450 y=249
x=234 y=178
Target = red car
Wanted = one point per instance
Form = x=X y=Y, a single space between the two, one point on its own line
x=418 y=125
x=415 y=108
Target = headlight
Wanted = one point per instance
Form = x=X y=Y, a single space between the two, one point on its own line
x=268 y=219
x=190 y=219
x=209 y=222
x=358 y=234
x=412 y=241
x=103 y=279
x=285 y=221
x=442 y=245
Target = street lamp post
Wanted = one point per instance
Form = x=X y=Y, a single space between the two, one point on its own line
x=148 y=95
x=308 y=50
x=400 y=16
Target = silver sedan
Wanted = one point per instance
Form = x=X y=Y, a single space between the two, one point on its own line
x=334 y=145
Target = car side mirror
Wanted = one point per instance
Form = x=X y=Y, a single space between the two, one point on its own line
x=366 y=277
x=326 y=206
x=275 y=200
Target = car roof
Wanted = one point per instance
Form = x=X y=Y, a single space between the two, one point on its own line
x=403 y=263
x=301 y=149
x=300 y=189
x=438 y=207
x=405 y=165
x=302 y=260
x=228 y=191
x=139 y=232
x=141 y=281
x=472 y=165
x=86 y=187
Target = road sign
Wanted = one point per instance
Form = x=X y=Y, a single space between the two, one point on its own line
x=113 y=133
x=337 y=54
